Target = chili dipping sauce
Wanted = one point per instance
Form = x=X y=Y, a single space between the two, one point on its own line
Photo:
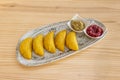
x=94 y=31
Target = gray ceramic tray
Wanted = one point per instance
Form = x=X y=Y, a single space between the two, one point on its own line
x=83 y=42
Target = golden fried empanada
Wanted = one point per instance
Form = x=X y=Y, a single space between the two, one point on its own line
x=49 y=42
x=71 y=41
x=26 y=48
x=60 y=40
x=38 y=45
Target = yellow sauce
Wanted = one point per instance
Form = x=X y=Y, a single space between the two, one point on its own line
x=77 y=25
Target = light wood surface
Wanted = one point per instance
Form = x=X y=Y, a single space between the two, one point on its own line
x=99 y=62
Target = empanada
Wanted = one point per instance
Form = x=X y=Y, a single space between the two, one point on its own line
x=71 y=41
x=38 y=45
x=26 y=48
x=60 y=40
x=49 y=42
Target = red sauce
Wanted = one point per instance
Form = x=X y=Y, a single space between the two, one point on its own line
x=94 y=31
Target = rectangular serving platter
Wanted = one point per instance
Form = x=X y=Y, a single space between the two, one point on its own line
x=83 y=43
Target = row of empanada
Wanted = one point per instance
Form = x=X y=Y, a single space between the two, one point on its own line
x=49 y=43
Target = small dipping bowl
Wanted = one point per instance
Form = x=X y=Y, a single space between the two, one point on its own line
x=94 y=31
x=77 y=18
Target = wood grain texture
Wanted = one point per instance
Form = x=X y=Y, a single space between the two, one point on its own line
x=99 y=62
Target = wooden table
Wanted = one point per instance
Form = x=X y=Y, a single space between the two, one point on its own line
x=99 y=62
